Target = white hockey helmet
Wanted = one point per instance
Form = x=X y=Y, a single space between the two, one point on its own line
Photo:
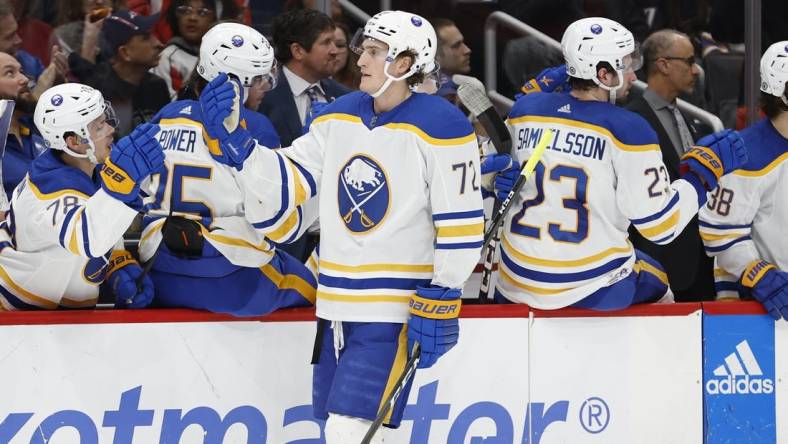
x=401 y=31
x=774 y=70
x=237 y=50
x=592 y=40
x=70 y=108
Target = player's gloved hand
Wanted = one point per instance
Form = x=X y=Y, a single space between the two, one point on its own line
x=316 y=110
x=122 y=277
x=219 y=100
x=713 y=156
x=132 y=159
x=769 y=286
x=433 y=322
x=548 y=81
x=505 y=180
x=490 y=165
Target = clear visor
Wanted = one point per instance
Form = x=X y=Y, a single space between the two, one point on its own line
x=269 y=79
x=633 y=61
x=362 y=44
x=432 y=82
x=104 y=124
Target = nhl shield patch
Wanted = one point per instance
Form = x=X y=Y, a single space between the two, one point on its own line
x=363 y=194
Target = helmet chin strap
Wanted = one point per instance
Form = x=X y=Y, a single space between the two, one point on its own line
x=90 y=153
x=612 y=90
x=390 y=79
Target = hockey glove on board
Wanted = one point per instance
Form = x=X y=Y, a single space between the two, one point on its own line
x=433 y=322
x=219 y=100
x=132 y=159
x=769 y=286
x=122 y=277
x=714 y=156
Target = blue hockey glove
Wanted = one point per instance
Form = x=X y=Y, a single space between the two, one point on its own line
x=122 y=277
x=433 y=322
x=769 y=286
x=504 y=181
x=713 y=156
x=217 y=102
x=132 y=159
x=548 y=80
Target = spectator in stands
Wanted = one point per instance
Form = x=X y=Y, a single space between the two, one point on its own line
x=135 y=93
x=346 y=71
x=189 y=20
x=234 y=10
x=453 y=57
x=22 y=144
x=304 y=43
x=41 y=78
x=79 y=24
x=34 y=33
x=669 y=63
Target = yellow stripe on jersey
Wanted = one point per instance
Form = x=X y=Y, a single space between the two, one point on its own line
x=285 y=228
x=289 y=282
x=530 y=288
x=73 y=303
x=645 y=266
x=263 y=247
x=763 y=171
x=37 y=300
x=400 y=358
x=575 y=124
x=73 y=246
x=300 y=193
x=717 y=237
x=429 y=139
x=564 y=263
x=152 y=229
x=666 y=225
x=337 y=116
x=402 y=299
x=719 y=272
x=376 y=267
x=461 y=230
x=56 y=194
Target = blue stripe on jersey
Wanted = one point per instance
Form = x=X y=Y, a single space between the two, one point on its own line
x=665 y=239
x=16 y=302
x=309 y=179
x=726 y=286
x=297 y=228
x=722 y=227
x=370 y=283
x=541 y=276
x=285 y=198
x=459 y=246
x=4 y=245
x=63 y=227
x=85 y=238
x=726 y=246
x=458 y=215
x=660 y=213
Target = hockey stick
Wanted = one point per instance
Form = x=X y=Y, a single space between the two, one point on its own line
x=525 y=173
x=402 y=381
x=471 y=93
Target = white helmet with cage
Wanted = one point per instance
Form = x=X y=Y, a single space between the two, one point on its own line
x=590 y=41
x=774 y=70
x=239 y=51
x=70 y=108
x=401 y=31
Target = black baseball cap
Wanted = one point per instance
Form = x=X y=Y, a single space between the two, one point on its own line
x=122 y=25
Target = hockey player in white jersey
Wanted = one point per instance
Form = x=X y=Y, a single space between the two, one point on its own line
x=210 y=255
x=742 y=223
x=62 y=237
x=400 y=218
x=565 y=239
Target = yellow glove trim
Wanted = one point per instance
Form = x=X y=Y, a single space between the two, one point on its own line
x=118 y=260
x=754 y=272
x=706 y=157
x=531 y=86
x=117 y=180
x=432 y=309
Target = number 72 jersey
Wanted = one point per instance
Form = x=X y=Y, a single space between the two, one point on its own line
x=566 y=234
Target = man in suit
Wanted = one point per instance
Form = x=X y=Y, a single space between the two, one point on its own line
x=669 y=62
x=304 y=45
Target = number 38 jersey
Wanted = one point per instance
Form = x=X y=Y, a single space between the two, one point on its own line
x=744 y=217
x=57 y=237
x=566 y=234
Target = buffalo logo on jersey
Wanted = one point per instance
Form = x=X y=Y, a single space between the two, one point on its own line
x=96 y=269
x=363 y=194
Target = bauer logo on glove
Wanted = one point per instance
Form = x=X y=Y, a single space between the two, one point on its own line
x=116 y=179
x=434 y=309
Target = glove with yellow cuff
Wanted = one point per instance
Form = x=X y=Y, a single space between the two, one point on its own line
x=769 y=286
x=433 y=322
x=715 y=155
x=122 y=275
x=132 y=159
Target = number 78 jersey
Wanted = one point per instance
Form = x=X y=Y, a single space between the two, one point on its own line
x=566 y=234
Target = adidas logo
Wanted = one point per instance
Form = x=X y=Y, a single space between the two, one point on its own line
x=740 y=374
x=565 y=109
x=186 y=110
